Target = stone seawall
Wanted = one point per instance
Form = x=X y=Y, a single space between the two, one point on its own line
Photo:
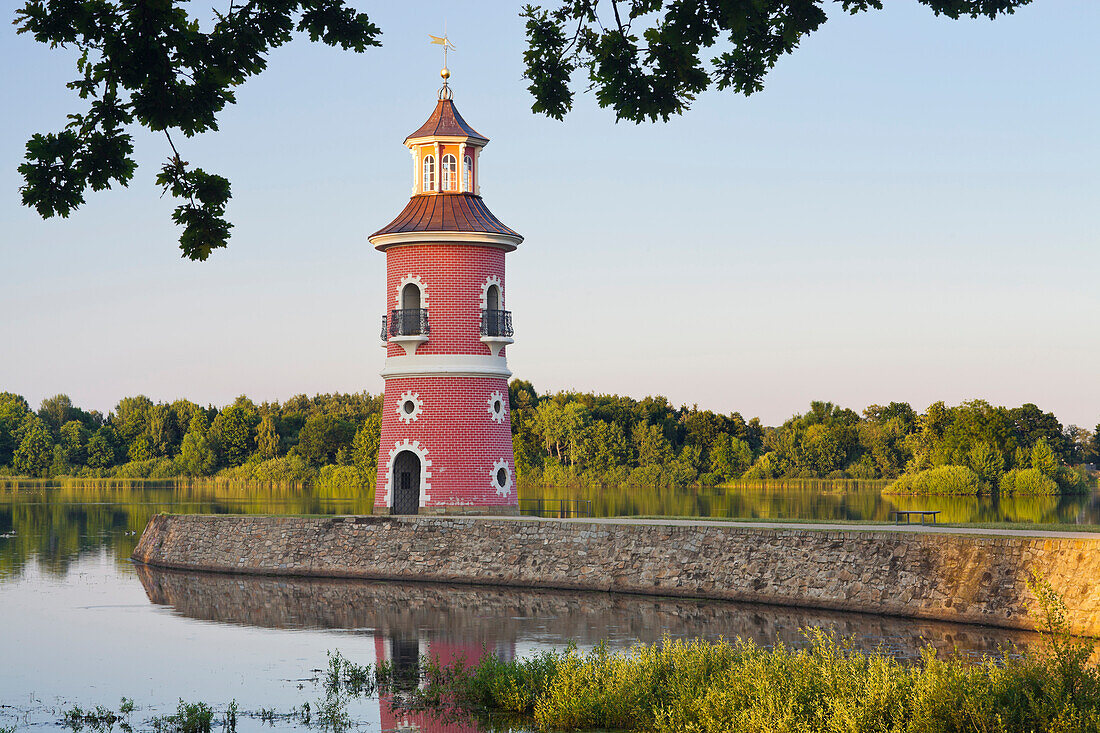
x=941 y=576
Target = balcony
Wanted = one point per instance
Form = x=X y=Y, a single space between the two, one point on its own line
x=496 y=329
x=407 y=327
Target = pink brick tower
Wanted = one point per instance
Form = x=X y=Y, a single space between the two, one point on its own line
x=446 y=444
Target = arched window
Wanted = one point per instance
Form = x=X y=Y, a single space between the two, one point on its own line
x=409 y=321
x=450 y=172
x=410 y=297
x=467 y=173
x=429 y=172
x=492 y=298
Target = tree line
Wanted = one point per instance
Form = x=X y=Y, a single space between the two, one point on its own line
x=331 y=438
x=571 y=438
x=560 y=439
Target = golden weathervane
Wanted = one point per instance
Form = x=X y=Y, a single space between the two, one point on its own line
x=447 y=46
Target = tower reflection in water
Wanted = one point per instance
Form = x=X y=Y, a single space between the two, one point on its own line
x=449 y=622
x=405 y=653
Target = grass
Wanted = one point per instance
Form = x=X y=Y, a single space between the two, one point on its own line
x=720 y=687
x=1022 y=526
x=1028 y=526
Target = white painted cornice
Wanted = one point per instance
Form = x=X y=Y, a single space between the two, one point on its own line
x=446 y=365
x=506 y=242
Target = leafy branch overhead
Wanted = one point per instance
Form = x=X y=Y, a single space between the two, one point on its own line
x=148 y=63
x=645 y=58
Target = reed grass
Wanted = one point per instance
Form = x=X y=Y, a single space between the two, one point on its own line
x=722 y=687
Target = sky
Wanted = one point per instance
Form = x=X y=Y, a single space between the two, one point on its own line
x=908 y=211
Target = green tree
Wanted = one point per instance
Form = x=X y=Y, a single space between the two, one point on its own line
x=364 y=448
x=550 y=424
x=150 y=64
x=267 y=438
x=161 y=429
x=74 y=442
x=131 y=417
x=604 y=447
x=1030 y=424
x=199 y=423
x=13 y=409
x=987 y=462
x=521 y=395
x=141 y=449
x=645 y=60
x=35 y=452
x=197 y=455
x=56 y=411
x=1043 y=458
x=233 y=431
x=102 y=448
x=730 y=457
x=651 y=445
x=322 y=436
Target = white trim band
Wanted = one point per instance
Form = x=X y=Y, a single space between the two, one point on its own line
x=506 y=242
x=446 y=365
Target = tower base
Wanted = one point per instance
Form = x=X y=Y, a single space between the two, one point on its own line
x=503 y=510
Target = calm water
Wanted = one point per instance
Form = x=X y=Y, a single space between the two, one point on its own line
x=81 y=625
x=822 y=500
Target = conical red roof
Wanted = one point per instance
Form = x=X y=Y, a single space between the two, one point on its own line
x=446 y=212
x=446 y=121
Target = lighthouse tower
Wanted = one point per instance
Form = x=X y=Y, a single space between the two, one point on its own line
x=446 y=444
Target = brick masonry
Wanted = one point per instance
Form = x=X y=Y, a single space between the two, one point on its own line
x=453 y=427
x=943 y=577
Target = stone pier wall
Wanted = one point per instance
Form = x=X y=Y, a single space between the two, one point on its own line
x=941 y=576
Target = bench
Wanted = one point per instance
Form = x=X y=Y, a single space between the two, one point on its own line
x=908 y=513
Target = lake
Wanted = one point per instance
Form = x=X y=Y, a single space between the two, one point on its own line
x=84 y=626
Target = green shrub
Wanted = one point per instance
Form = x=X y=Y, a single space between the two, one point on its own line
x=149 y=468
x=340 y=477
x=864 y=469
x=291 y=468
x=1028 y=482
x=941 y=481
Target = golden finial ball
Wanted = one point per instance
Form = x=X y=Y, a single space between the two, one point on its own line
x=445 y=73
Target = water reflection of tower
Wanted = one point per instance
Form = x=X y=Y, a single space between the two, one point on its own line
x=406 y=651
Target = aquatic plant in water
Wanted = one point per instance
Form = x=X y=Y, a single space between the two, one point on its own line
x=99 y=719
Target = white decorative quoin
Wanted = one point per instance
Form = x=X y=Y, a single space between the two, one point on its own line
x=418 y=282
x=501 y=478
x=498 y=407
x=489 y=282
x=425 y=474
x=409 y=406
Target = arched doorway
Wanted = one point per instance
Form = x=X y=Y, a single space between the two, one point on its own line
x=406 y=483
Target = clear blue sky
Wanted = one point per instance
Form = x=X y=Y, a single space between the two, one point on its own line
x=909 y=211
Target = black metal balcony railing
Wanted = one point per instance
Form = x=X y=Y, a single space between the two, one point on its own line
x=408 y=322
x=496 y=323
x=385 y=330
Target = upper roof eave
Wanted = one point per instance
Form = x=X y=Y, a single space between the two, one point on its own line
x=477 y=141
x=461 y=214
x=445 y=120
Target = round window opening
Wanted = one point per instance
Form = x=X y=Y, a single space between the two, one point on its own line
x=409 y=406
x=502 y=476
x=498 y=406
